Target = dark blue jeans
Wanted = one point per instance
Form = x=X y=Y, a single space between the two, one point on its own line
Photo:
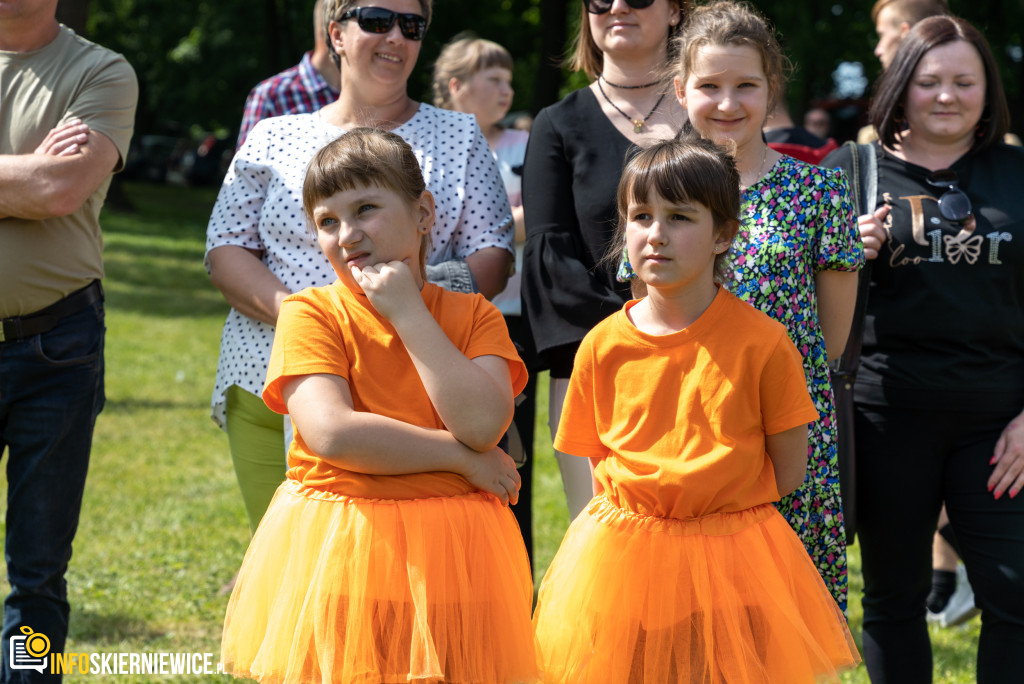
x=51 y=390
x=908 y=463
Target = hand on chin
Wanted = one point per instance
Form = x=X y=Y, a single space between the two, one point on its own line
x=391 y=287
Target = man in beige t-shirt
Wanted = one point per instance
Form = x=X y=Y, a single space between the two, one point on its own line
x=67 y=109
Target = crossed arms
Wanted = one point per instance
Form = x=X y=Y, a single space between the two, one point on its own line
x=59 y=176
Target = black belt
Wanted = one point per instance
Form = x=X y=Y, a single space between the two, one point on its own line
x=44 y=320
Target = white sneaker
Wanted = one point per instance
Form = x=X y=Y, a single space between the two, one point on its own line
x=960 y=607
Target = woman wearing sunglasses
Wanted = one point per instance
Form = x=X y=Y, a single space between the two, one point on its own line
x=940 y=389
x=573 y=163
x=258 y=250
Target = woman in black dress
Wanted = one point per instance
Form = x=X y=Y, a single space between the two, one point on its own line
x=573 y=162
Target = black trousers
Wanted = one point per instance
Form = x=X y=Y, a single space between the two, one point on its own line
x=908 y=463
x=524 y=420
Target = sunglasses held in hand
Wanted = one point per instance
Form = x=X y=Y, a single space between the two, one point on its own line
x=602 y=6
x=380 y=20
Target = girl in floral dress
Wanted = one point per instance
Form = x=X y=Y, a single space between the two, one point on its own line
x=797 y=252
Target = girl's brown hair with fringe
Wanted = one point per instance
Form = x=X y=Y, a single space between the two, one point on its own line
x=687 y=169
x=359 y=158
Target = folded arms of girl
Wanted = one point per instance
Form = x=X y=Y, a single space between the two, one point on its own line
x=473 y=398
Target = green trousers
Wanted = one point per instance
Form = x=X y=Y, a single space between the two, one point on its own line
x=256 y=439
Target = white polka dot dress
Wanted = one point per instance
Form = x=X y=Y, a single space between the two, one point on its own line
x=260 y=208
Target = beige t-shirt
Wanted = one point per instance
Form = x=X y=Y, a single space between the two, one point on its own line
x=43 y=261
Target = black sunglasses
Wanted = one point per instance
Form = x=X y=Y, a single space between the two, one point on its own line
x=602 y=6
x=380 y=20
x=954 y=205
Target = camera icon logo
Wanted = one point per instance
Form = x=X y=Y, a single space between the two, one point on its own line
x=29 y=651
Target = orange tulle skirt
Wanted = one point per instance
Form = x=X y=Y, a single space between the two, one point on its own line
x=342 y=589
x=727 y=598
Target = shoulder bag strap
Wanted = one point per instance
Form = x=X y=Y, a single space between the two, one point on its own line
x=869 y=169
x=855 y=177
x=865 y=177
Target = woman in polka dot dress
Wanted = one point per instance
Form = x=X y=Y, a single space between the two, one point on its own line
x=258 y=250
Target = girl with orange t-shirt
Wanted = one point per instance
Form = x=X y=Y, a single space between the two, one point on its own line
x=389 y=553
x=692 y=408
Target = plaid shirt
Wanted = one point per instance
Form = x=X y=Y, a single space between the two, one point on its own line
x=297 y=90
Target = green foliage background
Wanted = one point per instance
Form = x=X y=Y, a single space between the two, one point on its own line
x=197 y=61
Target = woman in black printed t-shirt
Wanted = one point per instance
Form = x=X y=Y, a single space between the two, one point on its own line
x=940 y=391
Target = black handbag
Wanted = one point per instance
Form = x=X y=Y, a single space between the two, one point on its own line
x=863 y=193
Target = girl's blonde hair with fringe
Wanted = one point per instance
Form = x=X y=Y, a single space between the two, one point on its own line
x=727 y=22
x=461 y=59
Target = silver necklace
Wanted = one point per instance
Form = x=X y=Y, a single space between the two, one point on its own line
x=760 y=169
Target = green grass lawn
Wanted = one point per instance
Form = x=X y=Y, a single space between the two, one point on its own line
x=163 y=526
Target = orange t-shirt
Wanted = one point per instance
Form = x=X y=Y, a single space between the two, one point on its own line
x=680 y=420
x=336 y=331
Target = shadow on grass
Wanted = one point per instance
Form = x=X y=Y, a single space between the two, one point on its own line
x=179 y=303
x=154 y=256
x=152 y=222
x=134 y=405
x=113 y=629
x=189 y=253
x=186 y=209
x=160 y=281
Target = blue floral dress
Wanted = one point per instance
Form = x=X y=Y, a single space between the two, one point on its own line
x=798 y=220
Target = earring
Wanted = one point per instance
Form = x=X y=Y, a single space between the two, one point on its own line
x=899 y=116
x=981 y=128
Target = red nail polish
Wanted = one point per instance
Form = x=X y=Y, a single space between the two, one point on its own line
x=998 y=494
x=992 y=460
x=990 y=487
x=1014 y=492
